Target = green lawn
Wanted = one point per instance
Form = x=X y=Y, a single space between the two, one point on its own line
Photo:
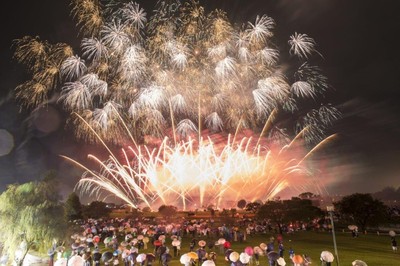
x=371 y=248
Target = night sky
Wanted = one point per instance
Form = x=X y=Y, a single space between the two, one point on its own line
x=358 y=41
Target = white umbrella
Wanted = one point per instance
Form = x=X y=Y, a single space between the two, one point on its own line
x=358 y=263
x=234 y=256
x=392 y=233
x=75 y=261
x=281 y=261
x=244 y=258
x=208 y=263
x=185 y=259
x=61 y=262
x=352 y=227
x=141 y=257
x=221 y=241
x=176 y=242
x=327 y=256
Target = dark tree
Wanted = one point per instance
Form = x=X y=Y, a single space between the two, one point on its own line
x=295 y=209
x=241 y=204
x=73 y=207
x=96 y=210
x=253 y=206
x=167 y=211
x=362 y=210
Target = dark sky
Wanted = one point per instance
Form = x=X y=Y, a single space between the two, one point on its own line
x=357 y=38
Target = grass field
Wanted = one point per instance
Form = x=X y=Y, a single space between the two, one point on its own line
x=373 y=249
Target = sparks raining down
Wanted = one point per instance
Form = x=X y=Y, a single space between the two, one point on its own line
x=182 y=76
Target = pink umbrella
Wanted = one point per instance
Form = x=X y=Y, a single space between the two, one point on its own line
x=249 y=251
x=75 y=261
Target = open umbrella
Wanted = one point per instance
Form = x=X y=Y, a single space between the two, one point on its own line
x=221 y=241
x=96 y=255
x=358 y=263
x=185 y=259
x=392 y=233
x=208 y=263
x=297 y=259
x=352 y=227
x=227 y=254
x=157 y=243
x=281 y=261
x=244 y=258
x=61 y=262
x=75 y=261
x=176 y=242
x=106 y=256
x=249 y=251
x=75 y=245
x=202 y=243
x=141 y=257
x=273 y=255
x=234 y=256
x=327 y=256
x=96 y=239
x=193 y=255
x=227 y=244
x=107 y=240
x=258 y=250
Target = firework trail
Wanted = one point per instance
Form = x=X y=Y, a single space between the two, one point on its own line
x=182 y=76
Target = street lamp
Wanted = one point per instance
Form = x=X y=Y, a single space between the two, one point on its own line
x=330 y=210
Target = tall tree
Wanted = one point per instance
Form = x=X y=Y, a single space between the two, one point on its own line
x=284 y=211
x=31 y=218
x=96 y=210
x=241 y=204
x=362 y=210
x=73 y=207
x=167 y=211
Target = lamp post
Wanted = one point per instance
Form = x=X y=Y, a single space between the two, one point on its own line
x=330 y=210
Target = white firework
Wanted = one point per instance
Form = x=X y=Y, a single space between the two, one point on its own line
x=261 y=29
x=214 y=122
x=72 y=68
x=93 y=49
x=106 y=116
x=302 y=89
x=75 y=96
x=134 y=15
x=152 y=97
x=185 y=128
x=178 y=104
x=114 y=36
x=301 y=45
x=225 y=68
x=268 y=56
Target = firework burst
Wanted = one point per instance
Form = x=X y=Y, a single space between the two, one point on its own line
x=185 y=71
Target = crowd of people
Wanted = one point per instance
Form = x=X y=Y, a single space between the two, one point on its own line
x=142 y=241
